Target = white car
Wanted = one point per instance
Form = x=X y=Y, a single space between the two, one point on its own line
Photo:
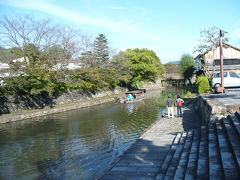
x=231 y=79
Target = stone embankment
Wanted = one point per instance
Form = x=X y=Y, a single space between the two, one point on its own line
x=14 y=109
x=212 y=107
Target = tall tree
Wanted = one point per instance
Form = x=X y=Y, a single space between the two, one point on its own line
x=187 y=66
x=42 y=34
x=209 y=39
x=101 y=49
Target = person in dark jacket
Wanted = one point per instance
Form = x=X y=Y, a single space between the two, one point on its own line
x=170 y=107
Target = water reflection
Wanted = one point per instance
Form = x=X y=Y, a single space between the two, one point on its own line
x=79 y=144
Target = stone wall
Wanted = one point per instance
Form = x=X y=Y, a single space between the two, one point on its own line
x=22 y=107
x=25 y=102
x=152 y=86
x=48 y=110
x=209 y=109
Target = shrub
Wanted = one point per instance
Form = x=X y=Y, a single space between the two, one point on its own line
x=189 y=95
x=203 y=84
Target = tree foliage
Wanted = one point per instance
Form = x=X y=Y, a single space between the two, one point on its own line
x=187 y=66
x=6 y=55
x=143 y=64
x=41 y=44
x=97 y=55
x=171 y=68
x=203 y=84
x=101 y=49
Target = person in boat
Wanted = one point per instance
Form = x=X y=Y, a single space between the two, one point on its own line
x=134 y=96
x=130 y=97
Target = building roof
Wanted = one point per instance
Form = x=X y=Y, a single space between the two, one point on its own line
x=224 y=44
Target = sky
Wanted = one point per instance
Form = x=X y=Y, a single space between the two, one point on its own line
x=170 y=28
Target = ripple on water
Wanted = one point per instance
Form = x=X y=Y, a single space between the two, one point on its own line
x=78 y=144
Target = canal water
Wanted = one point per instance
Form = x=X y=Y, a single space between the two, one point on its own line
x=78 y=144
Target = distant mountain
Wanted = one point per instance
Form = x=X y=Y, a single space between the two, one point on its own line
x=175 y=62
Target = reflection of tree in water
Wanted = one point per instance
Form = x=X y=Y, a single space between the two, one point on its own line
x=48 y=170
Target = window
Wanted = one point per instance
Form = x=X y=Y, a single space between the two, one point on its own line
x=225 y=74
x=218 y=75
x=227 y=61
x=233 y=75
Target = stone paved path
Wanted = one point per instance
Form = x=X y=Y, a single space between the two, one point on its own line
x=143 y=160
x=224 y=103
x=232 y=97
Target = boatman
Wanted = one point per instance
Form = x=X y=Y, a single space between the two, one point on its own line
x=130 y=97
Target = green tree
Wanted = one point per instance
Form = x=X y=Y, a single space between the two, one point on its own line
x=7 y=55
x=101 y=49
x=143 y=64
x=187 y=66
x=171 y=68
x=56 y=52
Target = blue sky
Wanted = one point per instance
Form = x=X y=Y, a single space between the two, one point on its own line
x=168 y=27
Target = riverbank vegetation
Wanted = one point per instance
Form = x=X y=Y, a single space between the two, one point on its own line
x=39 y=52
x=43 y=50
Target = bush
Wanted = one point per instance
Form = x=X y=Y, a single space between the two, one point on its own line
x=189 y=94
x=203 y=84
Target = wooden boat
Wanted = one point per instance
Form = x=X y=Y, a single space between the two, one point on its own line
x=137 y=94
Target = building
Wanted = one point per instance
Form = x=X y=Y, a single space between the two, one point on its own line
x=209 y=61
x=70 y=64
x=3 y=66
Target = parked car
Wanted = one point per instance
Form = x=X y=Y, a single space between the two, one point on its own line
x=231 y=79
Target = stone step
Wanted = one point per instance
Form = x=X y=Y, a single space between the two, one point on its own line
x=229 y=164
x=215 y=165
x=182 y=165
x=235 y=122
x=234 y=140
x=203 y=166
x=193 y=157
x=177 y=155
x=237 y=114
x=169 y=157
x=211 y=152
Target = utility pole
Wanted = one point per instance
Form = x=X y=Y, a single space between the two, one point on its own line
x=221 y=89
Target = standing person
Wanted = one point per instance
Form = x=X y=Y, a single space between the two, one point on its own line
x=170 y=107
x=179 y=102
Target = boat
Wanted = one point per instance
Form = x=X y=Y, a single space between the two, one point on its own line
x=138 y=95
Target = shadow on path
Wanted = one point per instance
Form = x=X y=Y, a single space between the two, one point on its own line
x=191 y=119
